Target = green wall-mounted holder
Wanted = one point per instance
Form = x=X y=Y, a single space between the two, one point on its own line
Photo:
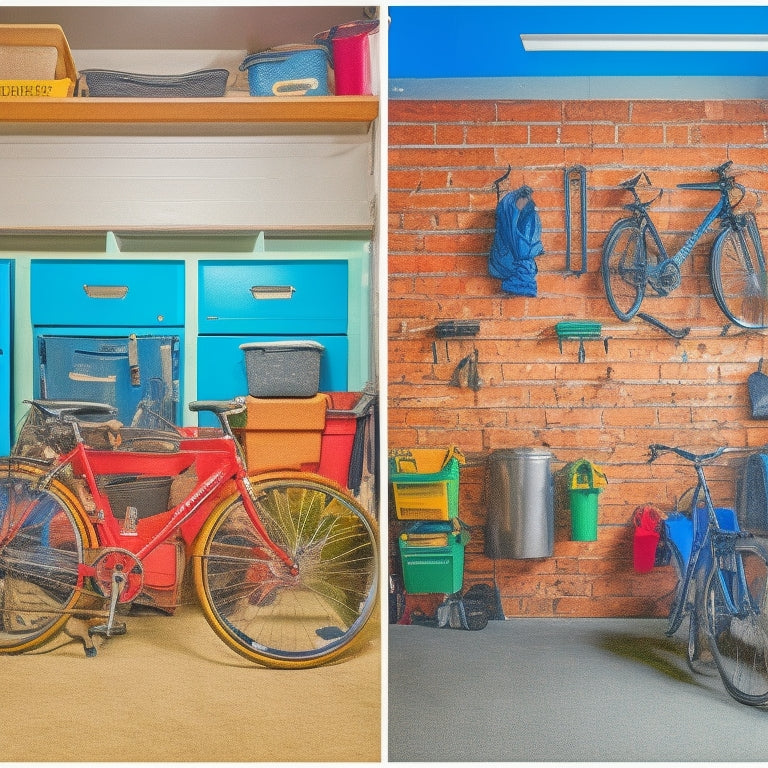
x=580 y=331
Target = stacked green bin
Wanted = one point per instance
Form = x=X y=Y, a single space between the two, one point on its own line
x=425 y=491
x=432 y=557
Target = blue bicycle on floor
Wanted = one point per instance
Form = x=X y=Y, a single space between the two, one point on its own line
x=722 y=587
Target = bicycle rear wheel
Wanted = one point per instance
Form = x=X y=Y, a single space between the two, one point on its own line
x=739 y=642
x=42 y=537
x=625 y=268
x=738 y=276
x=252 y=600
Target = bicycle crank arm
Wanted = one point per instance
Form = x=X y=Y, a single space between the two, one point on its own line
x=677 y=334
x=110 y=629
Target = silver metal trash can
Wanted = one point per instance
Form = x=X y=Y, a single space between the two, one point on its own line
x=521 y=519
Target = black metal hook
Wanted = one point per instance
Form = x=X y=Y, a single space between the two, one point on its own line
x=499 y=180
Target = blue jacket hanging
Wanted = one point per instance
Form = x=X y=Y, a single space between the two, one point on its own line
x=516 y=243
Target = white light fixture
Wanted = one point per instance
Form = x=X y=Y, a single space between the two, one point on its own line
x=685 y=43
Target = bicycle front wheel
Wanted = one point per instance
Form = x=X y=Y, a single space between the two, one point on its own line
x=739 y=641
x=43 y=533
x=256 y=604
x=738 y=276
x=625 y=268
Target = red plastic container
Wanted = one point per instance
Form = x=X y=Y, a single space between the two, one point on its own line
x=338 y=436
x=355 y=57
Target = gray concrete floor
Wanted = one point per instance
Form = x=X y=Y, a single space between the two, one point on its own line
x=560 y=690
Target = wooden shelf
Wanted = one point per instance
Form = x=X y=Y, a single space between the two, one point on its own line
x=245 y=109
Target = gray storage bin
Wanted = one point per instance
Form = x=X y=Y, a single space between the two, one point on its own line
x=283 y=368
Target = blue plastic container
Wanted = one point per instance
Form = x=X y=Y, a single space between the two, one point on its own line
x=288 y=70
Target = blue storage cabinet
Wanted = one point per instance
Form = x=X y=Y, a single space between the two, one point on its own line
x=6 y=304
x=270 y=299
x=109 y=331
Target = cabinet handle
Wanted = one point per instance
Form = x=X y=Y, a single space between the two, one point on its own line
x=272 y=291
x=106 y=291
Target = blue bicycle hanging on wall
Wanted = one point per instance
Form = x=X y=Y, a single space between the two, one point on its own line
x=634 y=256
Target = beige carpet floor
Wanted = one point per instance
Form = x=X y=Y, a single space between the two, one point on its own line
x=170 y=691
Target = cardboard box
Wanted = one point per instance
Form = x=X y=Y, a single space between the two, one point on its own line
x=282 y=432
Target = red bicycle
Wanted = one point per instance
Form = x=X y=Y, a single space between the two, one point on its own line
x=285 y=563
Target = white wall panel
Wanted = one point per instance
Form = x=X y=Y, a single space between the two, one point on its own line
x=122 y=182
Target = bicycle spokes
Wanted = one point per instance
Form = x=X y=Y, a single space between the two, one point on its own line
x=736 y=601
x=277 y=614
x=40 y=558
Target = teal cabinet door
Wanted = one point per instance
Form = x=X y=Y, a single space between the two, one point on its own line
x=6 y=313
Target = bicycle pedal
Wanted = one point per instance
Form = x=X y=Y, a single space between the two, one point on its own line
x=104 y=630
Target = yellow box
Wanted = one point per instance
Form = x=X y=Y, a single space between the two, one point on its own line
x=425 y=483
x=20 y=80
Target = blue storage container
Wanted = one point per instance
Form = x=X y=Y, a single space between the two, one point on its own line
x=679 y=531
x=288 y=70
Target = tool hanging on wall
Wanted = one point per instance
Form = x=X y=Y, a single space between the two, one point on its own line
x=575 y=176
x=465 y=373
x=133 y=360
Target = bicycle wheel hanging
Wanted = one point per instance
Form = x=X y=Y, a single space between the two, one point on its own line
x=739 y=642
x=42 y=537
x=738 y=276
x=625 y=268
x=252 y=600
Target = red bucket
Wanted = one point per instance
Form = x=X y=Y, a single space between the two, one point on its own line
x=646 y=538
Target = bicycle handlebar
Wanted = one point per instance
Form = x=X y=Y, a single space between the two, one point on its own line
x=657 y=450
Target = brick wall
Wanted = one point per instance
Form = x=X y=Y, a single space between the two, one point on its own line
x=646 y=387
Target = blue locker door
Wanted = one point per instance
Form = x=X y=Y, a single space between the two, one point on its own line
x=6 y=427
x=104 y=369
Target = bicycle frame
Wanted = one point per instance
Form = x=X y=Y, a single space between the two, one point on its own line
x=721 y=209
x=219 y=469
x=284 y=563
x=709 y=542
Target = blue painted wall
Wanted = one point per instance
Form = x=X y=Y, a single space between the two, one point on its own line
x=484 y=41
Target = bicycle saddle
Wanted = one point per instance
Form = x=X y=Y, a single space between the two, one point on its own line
x=219 y=406
x=75 y=409
x=635 y=180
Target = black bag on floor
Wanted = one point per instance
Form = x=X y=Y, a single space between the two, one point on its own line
x=487 y=597
x=456 y=613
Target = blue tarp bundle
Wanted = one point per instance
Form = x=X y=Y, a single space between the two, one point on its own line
x=516 y=243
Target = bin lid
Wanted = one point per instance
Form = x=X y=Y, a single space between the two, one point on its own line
x=585 y=475
x=281 y=346
x=434 y=526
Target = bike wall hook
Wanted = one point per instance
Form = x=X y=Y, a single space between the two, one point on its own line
x=575 y=175
x=498 y=181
